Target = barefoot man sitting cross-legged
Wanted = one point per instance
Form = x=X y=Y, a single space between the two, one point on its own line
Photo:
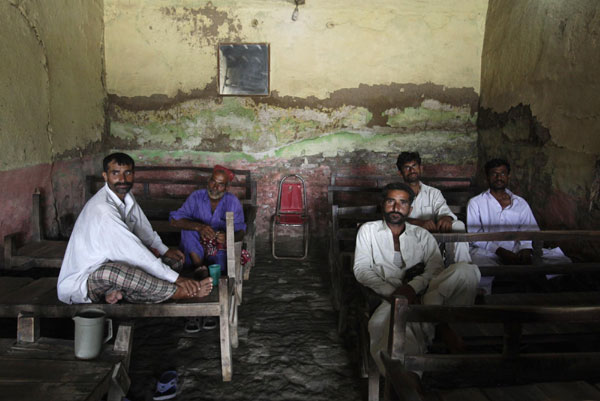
x=110 y=253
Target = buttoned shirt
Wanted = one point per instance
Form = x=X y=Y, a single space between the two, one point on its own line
x=374 y=264
x=429 y=204
x=484 y=215
x=109 y=229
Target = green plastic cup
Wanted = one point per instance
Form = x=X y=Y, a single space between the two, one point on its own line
x=215 y=274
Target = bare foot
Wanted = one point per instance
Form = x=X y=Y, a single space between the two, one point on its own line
x=188 y=288
x=113 y=297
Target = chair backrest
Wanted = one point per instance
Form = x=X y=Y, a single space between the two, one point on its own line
x=292 y=195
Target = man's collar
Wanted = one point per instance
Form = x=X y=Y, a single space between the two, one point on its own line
x=128 y=200
x=508 y=191
x=385 y=227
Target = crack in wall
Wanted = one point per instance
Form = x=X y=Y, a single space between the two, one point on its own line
x=49 y=132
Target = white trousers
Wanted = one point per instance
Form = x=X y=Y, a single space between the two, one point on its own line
x=455 y=285
x=482 y=257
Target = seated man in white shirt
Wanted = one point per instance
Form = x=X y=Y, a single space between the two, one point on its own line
x=429 y=209
x=498 y=209
x=110 y=256
x=388 y=252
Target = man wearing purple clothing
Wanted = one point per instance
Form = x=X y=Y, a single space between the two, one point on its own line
x=202 y=222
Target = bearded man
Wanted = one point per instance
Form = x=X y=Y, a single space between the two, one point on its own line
x=394 y=257
x=202 y=222
x=111 y=255
x=499 y=209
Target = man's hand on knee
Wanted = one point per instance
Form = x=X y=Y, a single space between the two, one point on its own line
x=406 y=291
x=175 y=254
x=206 y=232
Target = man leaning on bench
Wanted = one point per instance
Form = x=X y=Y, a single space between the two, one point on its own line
x=110 y=255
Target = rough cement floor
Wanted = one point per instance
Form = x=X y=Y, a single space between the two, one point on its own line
x=289 y=348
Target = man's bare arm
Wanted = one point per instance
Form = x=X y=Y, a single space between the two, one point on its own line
x=429 y=225
x=204 y=230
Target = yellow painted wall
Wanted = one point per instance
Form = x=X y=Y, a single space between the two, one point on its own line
x=52 y=92
x=546 y=54
x=167 y=46
x=540 y=107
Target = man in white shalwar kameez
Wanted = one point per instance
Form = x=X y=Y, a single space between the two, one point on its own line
x=496 y=210
x=386 y=252
x=429 y=209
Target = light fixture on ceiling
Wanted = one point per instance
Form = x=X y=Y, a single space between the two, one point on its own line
x=295 y=13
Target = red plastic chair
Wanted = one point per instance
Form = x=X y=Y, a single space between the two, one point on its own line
x=291 y=210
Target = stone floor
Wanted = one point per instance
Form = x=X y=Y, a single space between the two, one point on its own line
x=289 y=348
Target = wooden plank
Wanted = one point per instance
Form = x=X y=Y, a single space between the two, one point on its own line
x=50 y=391
x=32 y=292
x=463 y=394
x=544 y=299
x=226 y=360
x=514 y=393
x=503 y=313
x=499 y=369
x=19 y=370
x=9 y=285
x=520 y=270
x=209 y=306
x=549 y=235
x=546 y=235
x=578 y=390
x=36 y=220
x=10 y=248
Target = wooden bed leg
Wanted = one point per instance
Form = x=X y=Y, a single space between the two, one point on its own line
x=119 y=385
x=224 y=327
x=373 y=389
x=10 y=248
x=28 y=328
x=233 y=322
x=124 y=341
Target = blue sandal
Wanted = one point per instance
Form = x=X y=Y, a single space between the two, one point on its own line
x=166 y=388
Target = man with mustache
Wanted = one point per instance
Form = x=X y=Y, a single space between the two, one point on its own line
x=110 y=255
x=202 y=221
x=498 y=209
x=393 y=256
x=429 y=209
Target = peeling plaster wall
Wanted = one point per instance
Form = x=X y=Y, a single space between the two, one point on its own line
x=540 y=106
x=169 y=46
x=52 y=104
x=352 y=84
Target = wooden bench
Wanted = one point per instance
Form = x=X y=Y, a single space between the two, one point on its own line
x=38 y=252
x=475 y=334
x=528 y=373
x=48 y=369
x=162 y=189
x=353 y=190
x=39 y=299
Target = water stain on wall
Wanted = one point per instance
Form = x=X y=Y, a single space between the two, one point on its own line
x=200 y=27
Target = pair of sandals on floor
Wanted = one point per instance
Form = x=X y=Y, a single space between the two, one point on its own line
x=196 y=324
